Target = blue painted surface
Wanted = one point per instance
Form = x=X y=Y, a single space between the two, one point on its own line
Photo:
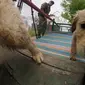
x=55 y=39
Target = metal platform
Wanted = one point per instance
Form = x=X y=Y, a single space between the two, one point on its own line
x=57 y=44
x=56 y=69
x=20 y=70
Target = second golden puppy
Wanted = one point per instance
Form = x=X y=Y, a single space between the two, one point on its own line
x=78 y=29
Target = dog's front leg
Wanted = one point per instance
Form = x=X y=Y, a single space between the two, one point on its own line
x=73 y=49
x=36 y=54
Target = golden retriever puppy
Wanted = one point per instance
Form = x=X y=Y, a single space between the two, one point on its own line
x=78 y=29
x=13 y=33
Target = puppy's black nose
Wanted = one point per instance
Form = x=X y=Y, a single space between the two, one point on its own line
x=83 y=26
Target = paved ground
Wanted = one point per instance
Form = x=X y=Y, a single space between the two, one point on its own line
x=21 y=70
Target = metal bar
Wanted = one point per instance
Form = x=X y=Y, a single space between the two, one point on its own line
x=63 y=24
x=20 y=5
x=32 y=13
x=52 y=26
x=37 y=9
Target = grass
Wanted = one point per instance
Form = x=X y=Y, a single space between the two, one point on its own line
x=31 y=32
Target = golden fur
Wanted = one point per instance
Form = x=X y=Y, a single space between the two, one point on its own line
x=79 y=33
x=13 y=33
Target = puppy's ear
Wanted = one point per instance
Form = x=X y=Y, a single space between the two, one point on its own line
x=75 y=19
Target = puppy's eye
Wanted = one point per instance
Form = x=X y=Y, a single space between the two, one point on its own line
x=83 y=26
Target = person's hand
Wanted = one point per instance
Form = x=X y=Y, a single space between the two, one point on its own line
x=51 y=15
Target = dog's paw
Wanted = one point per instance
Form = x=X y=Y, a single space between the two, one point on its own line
x=73 y=58
x=38 y=57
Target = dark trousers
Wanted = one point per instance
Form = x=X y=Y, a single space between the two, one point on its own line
x=42 y=26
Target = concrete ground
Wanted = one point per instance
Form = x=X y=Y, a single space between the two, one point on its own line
x=17 y=69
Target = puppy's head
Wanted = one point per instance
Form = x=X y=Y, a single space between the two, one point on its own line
x=78 y=21
x=78 y=27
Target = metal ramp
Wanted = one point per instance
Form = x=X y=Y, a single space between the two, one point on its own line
x=55 y=69
x=56 y=44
